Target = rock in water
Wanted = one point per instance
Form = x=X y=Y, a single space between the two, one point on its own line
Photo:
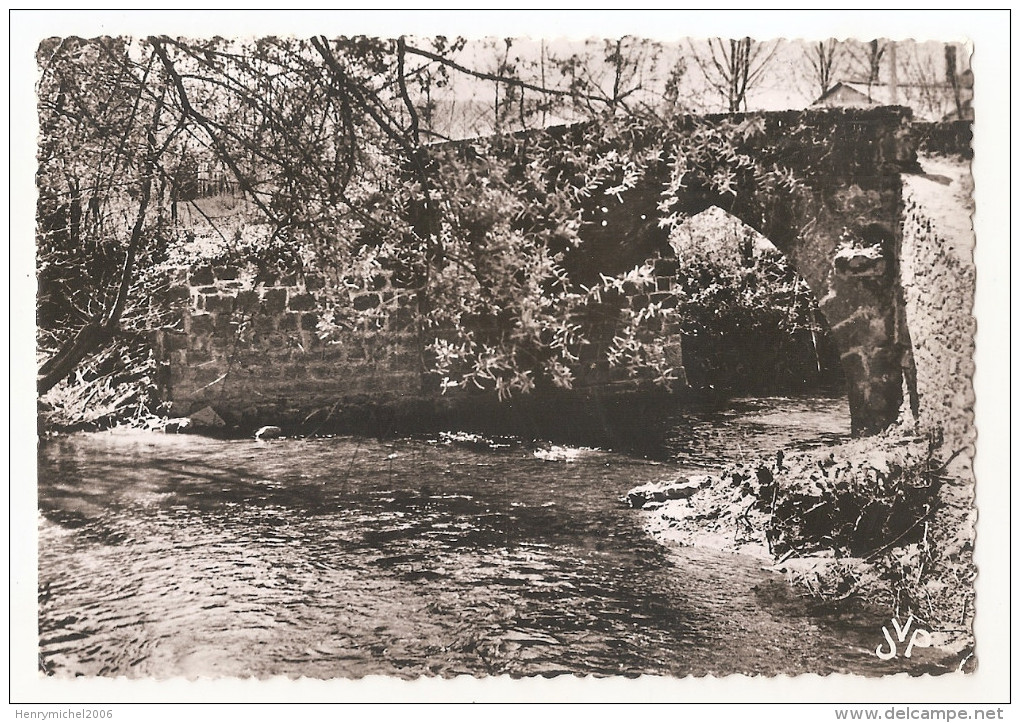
x=680 y=489
x=268 y=432
x=176 y=425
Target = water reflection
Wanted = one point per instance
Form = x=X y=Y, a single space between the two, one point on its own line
x=165 y=556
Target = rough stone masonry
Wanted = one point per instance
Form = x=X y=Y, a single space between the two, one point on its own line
x=247 y=346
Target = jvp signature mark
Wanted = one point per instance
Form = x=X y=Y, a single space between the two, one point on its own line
x=920 y=638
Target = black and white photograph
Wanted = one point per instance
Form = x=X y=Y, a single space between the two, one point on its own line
x=521 y=354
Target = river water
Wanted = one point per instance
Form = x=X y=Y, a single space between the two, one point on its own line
x=166 y=555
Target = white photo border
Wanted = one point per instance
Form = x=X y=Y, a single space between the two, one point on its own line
x=988 y=31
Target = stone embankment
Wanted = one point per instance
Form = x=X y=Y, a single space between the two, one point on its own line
x=247 y=351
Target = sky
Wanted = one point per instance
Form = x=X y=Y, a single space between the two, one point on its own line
x=466 y=105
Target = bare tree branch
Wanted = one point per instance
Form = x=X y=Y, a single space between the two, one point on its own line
x=734 y=69
x=499 y=78
x=207 y=124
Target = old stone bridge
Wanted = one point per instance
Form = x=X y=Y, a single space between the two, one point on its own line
x=842 y=232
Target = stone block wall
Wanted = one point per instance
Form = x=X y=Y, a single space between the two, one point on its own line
x=665 y=271
x=249 y=348
x=939 y=290
x=860 y=301
x=946 y=138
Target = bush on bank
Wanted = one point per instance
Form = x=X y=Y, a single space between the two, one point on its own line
x=879 y=522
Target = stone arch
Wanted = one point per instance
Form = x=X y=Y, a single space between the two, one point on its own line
x=850 y=263
x=841 y=230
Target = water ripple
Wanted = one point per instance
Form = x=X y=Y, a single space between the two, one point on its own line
x=163 y=556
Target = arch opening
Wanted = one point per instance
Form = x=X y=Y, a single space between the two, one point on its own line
x=769 y=335
x=838 y=223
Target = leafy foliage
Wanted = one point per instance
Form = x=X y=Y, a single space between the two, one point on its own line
x=107 y=156
x=879 y=521
x=750 y=321
x=857 y=506
x=476 y=246
x=890 y=504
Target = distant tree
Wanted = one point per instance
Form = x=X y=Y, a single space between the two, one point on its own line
x=628 y=75
x=431 y=80
x=824 y=60
x=673 y=100
x=505 y=67
x=928 y=74
x=867 y=60
x=733 y=67
x=953 y=78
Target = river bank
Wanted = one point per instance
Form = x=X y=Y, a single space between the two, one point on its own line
x=883 y=524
